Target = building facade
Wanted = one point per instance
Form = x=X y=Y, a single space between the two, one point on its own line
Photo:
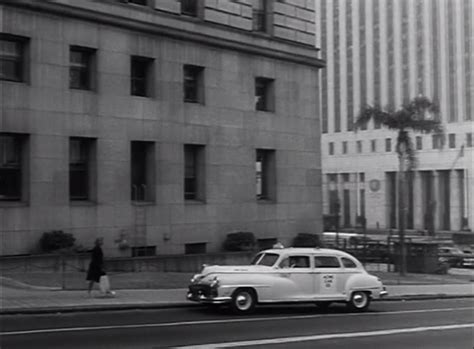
x=385 y=52
x=160 y=125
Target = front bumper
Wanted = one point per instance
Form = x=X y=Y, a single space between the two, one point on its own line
x=201 y=298
x=383 y=293
x=205 y=293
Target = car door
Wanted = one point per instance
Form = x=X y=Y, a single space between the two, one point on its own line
x=296 y=279
x=328 y=281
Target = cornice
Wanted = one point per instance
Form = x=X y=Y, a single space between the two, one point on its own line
x=198 y=32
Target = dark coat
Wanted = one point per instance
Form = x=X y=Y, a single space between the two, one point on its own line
x=96 y=266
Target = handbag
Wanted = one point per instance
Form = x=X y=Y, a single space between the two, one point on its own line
x=104 y=284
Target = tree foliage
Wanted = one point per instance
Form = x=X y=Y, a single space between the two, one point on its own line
x=420 y=115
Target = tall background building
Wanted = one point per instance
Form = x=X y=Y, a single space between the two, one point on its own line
x=385 y=52
x=160 y=125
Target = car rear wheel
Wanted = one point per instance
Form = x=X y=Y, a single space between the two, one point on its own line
x=243 y=301
x=360 y=301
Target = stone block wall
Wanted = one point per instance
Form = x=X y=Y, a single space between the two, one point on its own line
x=227 y=124
x=288 y=19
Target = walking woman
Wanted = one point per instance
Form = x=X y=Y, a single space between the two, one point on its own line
x=96 y=266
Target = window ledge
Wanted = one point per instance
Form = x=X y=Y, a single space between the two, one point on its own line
x=143 y=203
x=194 y=202
x=82 y=203
x=266 y=201
x=13 y=204
x=83 y=90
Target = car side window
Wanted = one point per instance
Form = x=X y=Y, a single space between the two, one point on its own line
x=326 y=262
x=299 y=261
x=285 y=263
x=348 y=263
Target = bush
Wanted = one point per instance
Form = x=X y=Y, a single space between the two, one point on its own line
x=239 y=241
x=307 y=240
x=330 y=222
x=56 y=240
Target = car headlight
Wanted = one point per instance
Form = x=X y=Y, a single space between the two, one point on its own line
x=196 y=278
x=215 y=282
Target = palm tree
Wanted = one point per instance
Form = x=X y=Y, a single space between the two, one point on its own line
x=414 y=116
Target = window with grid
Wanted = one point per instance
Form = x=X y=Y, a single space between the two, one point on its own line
x=452 y=140
x=189 y=7
x=419 y=143
x=80 y=156
x=193 y=172
x=373 y=145
x=80 y=67
x=141 y=76
x=388 y=144
x=142 y=170
x=265 y=169
x=259 y=15
x=264 y=94
x=436 y=141
x=12 y=58
x=11 y=170
x=331 y=148
x=193 y=84
x=344 y=147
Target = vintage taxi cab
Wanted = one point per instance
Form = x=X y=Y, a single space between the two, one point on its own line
x=317 y=275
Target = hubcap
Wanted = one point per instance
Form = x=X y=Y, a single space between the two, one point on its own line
x=360 y=300
x=243 y=301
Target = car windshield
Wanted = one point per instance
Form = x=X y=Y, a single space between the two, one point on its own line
x=267 y=259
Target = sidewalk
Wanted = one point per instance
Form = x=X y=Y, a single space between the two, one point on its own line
x=15 y=299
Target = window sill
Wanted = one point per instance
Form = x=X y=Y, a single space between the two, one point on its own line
x=143 y=203
x=194 y=202
x=13 y=81
x=147 y=96
x=13 y=204
x=190 y=102
x=266 y=201
x=82 y=203
x=265 y=111
x=80 y=89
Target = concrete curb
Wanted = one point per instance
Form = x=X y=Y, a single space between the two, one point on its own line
x=144 y=306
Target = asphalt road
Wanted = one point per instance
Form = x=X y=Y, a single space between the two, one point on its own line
x=412 y=324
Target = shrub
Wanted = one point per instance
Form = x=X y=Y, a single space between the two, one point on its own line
x=239 y=241
x=330 y=222
x=56 y=240
x=306 y=240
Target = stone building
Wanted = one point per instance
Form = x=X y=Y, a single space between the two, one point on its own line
x=160 y=125
x=385 y=52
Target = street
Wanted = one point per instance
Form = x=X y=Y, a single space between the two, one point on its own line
x=395 y=324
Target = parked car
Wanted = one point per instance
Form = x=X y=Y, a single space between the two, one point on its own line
x=451 y=255
x=278 y=275
x=467 y=259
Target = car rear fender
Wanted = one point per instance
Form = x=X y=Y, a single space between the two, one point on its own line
x=361 y=282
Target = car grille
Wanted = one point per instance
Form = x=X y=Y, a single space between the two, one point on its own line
x=198 y=290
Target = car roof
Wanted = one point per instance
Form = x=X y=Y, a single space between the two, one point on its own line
x=309 y=250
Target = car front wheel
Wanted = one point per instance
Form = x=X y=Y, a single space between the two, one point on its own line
x=243 y=301
x=360 y=301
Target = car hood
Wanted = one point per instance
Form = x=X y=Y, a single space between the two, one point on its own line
x=216 y=269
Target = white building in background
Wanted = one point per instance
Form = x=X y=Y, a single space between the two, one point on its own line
x=386 y=52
